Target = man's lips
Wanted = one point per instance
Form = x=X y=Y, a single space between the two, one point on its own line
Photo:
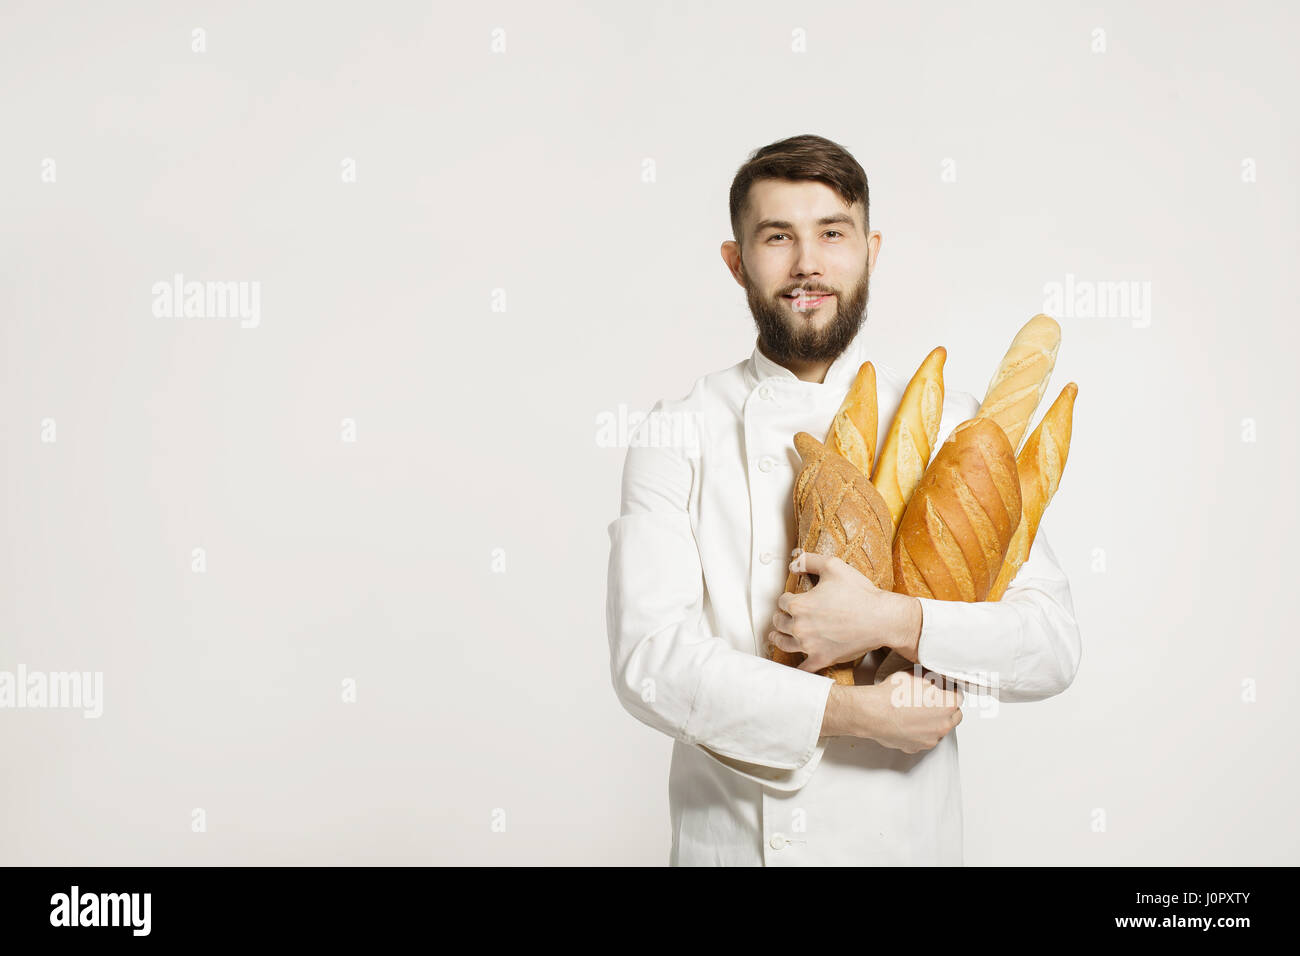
x=809 y=301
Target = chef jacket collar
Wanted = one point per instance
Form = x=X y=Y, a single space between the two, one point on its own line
x=839 y=376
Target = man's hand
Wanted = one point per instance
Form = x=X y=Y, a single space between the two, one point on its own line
x=911 y=713
x=905 y=712
x=843 y=617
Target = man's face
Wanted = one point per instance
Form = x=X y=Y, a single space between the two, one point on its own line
x=790 y=255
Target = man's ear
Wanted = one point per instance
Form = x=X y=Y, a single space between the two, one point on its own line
x=874 y=240
x=731 y=256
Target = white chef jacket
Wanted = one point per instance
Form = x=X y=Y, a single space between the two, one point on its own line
x=698 y=557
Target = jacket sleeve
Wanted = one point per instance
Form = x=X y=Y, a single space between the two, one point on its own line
x=758 y=718
x=1023 y=647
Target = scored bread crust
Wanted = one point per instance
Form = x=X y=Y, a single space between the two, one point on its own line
x=839 y=513
x=912 y=435
x=1040 y=465
x=959 y=522
x=1021 y=378
x=853 y=430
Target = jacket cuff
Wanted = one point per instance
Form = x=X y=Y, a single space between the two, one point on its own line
x=784 y=780
x=748 y=707
x=973 y=642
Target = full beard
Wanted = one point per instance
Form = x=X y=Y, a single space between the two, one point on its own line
x=788 y=335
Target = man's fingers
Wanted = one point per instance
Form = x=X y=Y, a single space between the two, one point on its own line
x=785 y=642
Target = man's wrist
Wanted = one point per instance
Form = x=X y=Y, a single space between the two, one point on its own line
x=837 y=721
x=907 y=632
x=854 y=711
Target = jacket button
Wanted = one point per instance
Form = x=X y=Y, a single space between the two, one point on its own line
x=766 y=557
x=765 y=463
x=777 y=842
x=764 y=392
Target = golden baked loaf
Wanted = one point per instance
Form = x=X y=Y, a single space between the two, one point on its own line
x=912 y=435
x=958 y=523
x=853 y=429
x=838 y=512
x=1039 y=465
x=1021 y=378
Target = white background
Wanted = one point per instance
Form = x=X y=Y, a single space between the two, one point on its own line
x=584 y=171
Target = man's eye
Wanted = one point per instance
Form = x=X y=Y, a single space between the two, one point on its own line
x=829 y=232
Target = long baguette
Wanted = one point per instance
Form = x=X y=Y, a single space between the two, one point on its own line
x=1039 y=465
x=1021 y=378
x=912 y=435
x=853 y=431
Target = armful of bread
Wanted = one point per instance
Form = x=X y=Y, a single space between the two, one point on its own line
x=957 y=528
x=958 y=525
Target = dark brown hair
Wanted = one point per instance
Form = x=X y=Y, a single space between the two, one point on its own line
x=800 y=158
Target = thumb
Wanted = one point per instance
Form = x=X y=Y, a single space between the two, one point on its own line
x=808 y=664
x=812 y=563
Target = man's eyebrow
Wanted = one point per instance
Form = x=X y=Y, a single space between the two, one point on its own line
x=838 y=219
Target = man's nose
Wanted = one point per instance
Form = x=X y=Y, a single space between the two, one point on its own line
x=808 y=265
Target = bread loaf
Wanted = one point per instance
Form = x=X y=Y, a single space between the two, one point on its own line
x=1020 y=380
x=853 y=429
x=1039 y=465
x=958 y=523
x=838 y=512
x=912 y=435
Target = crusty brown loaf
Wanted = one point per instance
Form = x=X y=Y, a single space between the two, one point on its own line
x=1040 y=465
x=958 y=524
x=1021 y=378
x=853 y=430
x=838 y=513
x=912 y=435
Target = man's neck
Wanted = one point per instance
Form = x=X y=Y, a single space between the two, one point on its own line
x=805 y=371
